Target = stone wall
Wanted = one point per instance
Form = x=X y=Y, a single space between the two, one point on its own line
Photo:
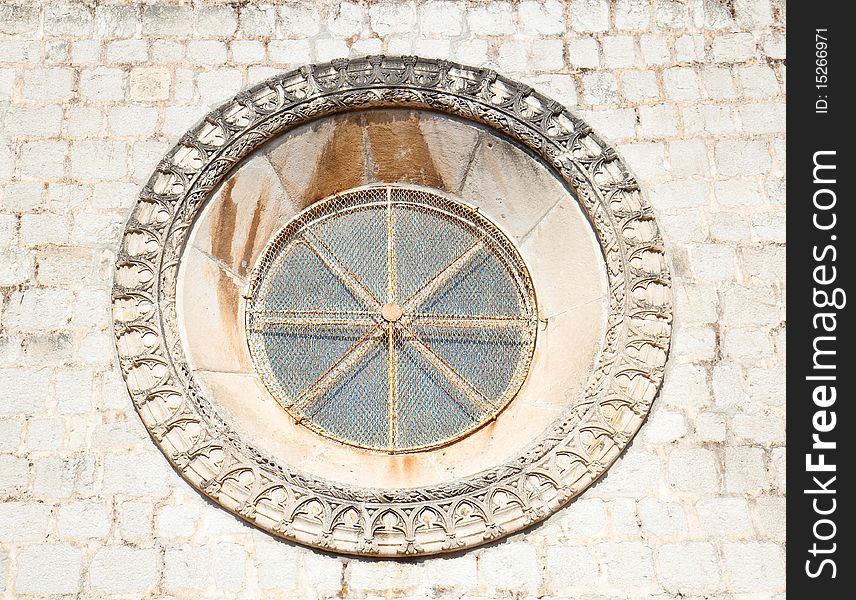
x=691 y=93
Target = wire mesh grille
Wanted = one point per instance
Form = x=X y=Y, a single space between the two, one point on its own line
x=391 y=318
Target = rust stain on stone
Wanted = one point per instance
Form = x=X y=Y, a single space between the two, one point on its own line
x=227 y=300
x=398 y=149
x=341 y=164
x=223 y=223
x=252 y=234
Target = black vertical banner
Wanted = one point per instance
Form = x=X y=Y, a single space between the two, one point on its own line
x=820 y=264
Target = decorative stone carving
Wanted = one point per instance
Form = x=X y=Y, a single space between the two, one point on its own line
x=296 y=505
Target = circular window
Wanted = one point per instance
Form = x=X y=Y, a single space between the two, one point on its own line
x=392 y=318
x=325 y=306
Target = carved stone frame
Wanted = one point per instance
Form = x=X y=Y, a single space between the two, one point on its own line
x=571 y=454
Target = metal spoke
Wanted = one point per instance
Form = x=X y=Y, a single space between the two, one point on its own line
x=311 y=318
x=340 y=270
x=418 y=297
x=468 y=321
x=448 y=371
x=392 y=358
x=351 y=356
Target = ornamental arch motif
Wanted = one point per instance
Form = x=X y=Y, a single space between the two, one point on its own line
x=291 y=500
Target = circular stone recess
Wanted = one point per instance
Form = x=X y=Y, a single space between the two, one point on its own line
x=392 y=318
x=228 y=309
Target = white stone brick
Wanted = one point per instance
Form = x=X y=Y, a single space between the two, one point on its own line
x=632 y=14
x=681 y=83
x=600 y=88
x=39 y=308
x=84 y=121
x=571 y=568
x=276 y=564
x=742 y=158
x=763 y=118
x=689 y=158
x=688 y=566
x=685 y=226
x=67 y=19
x=177 y=521
x=85 y=52
x=323 y=573
x=671 y=14
x=754 y=566
x=43 y=159
x=646 y=160
x=590 y=16
x=167 y=20
x=49 y=569
x=472 y=51
x=176 y=121
x=24 y=521
x=583 y=53
x=491 y=18
x=774 y=46
x=208 y=52
x=102 y=84
x=229 y=566
x=11 y=430
x=83 y=519
x=19 y=51
x=168 y=51
x=328 y=49
x=734 y=47
x=116 y=21
x=134 y=519
x=693 y=470
x=18 y=18
x=680 y=193
x=17 y=266
x=510 y=566
x=298 y=20
x=23 y=390
x=585 y=518
x=14 y=473
x=289 y=52
x=133 y=121
x=619 y=51
x=665 y=427
x=612 y=124
x=44 y=435
x=346 y=19
x=707 y=119
x=247 y=51
x=137 y=473
x=390 y=17
x=48 y=84
x=513 y=56
x=633 y=474
x=758 y=81
x=541 y=18
x=626 y=563
x=547 y=55
x=218 y=85
x=256 y=21
x=753 y=13
x=149 y=84
x=744 y=469
x=216 y=21
x=718 y=82
x=724 y=517
x=377 y=576
x=713 y=261
x=758 y=304
x=729 y=227
x=769 y=517
x=624 y=518
x=658 y=120
x=769 y=226
x=689 y=48
x=127 y=51
x=125 y=570
x=34 y=121
x=99 y=159
x=662 y=518
x=639 y=85
x=440 y=19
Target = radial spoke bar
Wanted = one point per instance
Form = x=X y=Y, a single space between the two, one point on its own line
x=351 y=357
x=418 y=297
x=468 y=321
x=340 y=270
x=392 y=361
x=449 y=372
